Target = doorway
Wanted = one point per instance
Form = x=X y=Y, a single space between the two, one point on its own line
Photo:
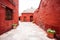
x=31 y=18
x=24 y=19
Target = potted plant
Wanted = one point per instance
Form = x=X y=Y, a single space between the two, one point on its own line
x=14 y=26
x=50 y=33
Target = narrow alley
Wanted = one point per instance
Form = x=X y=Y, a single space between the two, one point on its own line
x=25 y=31
x=29 y=19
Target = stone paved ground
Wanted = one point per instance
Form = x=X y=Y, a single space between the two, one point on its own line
x=25 y=31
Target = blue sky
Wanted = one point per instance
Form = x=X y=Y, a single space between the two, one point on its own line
x=26 y=4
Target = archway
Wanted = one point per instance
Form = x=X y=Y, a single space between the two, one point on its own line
x=31 y=18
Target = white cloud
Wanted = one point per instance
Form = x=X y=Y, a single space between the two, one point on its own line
x=25 y=4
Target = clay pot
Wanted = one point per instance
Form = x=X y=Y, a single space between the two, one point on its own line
x=50 y=35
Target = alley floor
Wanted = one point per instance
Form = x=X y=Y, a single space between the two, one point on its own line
x=25 y=31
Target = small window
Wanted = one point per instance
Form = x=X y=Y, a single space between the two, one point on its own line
x=9 y=14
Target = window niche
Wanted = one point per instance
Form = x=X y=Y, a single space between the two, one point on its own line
x=9 y=14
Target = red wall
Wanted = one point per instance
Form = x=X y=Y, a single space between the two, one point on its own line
x=49 y=14
x=6 y=25
x=36 y=17
x=27 y=15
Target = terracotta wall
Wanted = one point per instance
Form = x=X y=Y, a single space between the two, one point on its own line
x=49 y=14
x=16 y=17
x=36 y=16
x=27 y=15
x=6 y=25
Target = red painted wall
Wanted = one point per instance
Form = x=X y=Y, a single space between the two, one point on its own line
x=36 y=16
x=6 y=25
x=49 y=14
x=27 y=15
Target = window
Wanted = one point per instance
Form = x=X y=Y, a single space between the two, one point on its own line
x=9 y=13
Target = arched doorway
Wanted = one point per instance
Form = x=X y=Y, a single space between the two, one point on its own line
x=31 y=18
x=24 y=19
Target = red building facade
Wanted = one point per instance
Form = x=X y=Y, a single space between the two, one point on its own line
x=27 y=17
x=49 y=15
x=8 y=14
